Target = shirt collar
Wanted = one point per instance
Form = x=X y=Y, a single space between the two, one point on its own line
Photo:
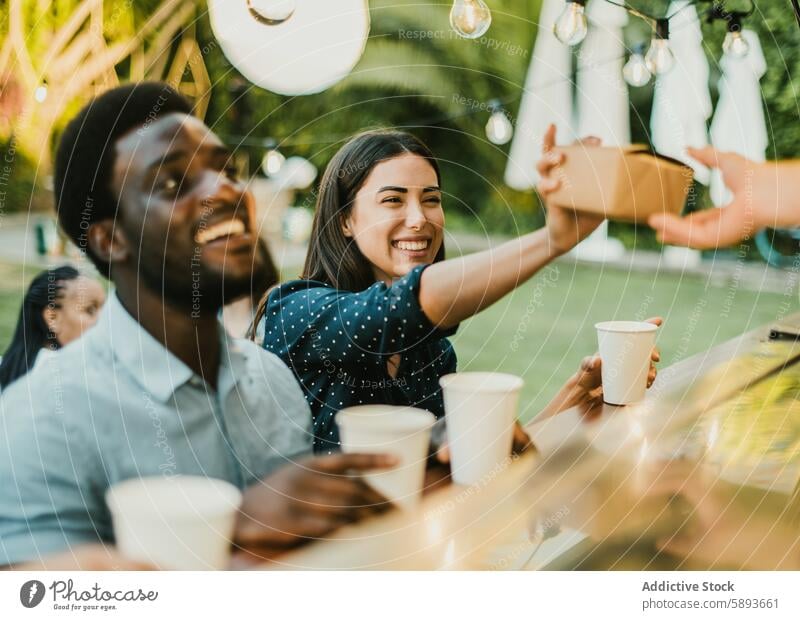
x=151 y=364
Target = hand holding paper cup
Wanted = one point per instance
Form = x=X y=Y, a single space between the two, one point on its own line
x=480 y=409
x=403 y=432
x=176 y=523
x=625 y=350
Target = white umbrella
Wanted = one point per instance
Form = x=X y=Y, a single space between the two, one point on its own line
x=682 y=102
x=547 y=98
x=602 y=101
x=739 y=124
x=602 y=98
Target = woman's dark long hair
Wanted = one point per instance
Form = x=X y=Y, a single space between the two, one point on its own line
x=32 y=334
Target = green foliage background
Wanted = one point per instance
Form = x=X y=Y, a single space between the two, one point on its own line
x=417 y=81
x=416 y=74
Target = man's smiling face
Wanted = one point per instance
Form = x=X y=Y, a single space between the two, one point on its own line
x=188 y=221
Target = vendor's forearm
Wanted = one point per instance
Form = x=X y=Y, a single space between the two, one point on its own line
x=456 y=289
x=787 y=177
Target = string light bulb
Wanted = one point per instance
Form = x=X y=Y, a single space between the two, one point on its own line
x=735 y=45
x=572 y=26
x=635 y=70
x=498 y=128
x=271 y=12
x=273 y=160
x=40 y=94
x=659 y=58
x=470 y=18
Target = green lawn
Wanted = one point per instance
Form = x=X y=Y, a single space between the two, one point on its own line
x=545 y=328
x=12 y=283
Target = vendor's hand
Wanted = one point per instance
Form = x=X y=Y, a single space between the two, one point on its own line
x=566 y=228
x=756 y=204
x=94 y=557
x=520 y=445
x=307 y=500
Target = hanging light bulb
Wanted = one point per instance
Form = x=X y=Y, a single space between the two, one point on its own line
x=659 y=58
x=40 y=94
x=470 y=18
x=571 y=26
x=273 y=160
x=271 y=12
x=635 y=70
x=735 y=45
x=498 y=129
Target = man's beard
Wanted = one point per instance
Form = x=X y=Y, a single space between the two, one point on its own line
x=203 y=291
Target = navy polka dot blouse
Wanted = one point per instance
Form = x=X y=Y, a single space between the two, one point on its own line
x=338 y=343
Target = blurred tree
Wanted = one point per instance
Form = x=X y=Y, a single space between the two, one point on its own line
x=55 y=54
x=780 y=39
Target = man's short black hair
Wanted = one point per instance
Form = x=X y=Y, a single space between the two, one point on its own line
x=85 y=154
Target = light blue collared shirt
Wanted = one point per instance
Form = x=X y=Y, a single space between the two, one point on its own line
x=116 y=404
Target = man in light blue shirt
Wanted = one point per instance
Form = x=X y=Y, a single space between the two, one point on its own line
x=156 y=388
x=116 y=405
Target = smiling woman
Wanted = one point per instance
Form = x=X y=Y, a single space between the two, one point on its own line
x=369 y=320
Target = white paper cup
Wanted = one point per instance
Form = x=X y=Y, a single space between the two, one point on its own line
x=625 y=349
x=403 y=432
x=480 y=409
x=175 y=523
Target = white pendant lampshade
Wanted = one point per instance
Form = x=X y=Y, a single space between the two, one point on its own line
x=547 y=99
x=682 y=102
x=318 y=45
x=739 y=124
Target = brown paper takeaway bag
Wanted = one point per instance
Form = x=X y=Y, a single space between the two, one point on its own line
x=627 y=183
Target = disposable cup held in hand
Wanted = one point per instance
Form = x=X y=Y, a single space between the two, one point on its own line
x=480 y=409
x=403 y=432
x=625 y=350
x=175 y=523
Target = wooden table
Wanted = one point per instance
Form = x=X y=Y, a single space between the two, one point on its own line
x=587 y=488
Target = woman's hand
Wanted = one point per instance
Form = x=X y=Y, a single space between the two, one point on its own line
x=566 y=228
x=86 y=557
x=453 y=290
x=585 y=387
x=521 y=443
x=306 y=500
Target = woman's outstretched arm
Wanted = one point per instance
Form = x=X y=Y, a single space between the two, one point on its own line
x=456 y=289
